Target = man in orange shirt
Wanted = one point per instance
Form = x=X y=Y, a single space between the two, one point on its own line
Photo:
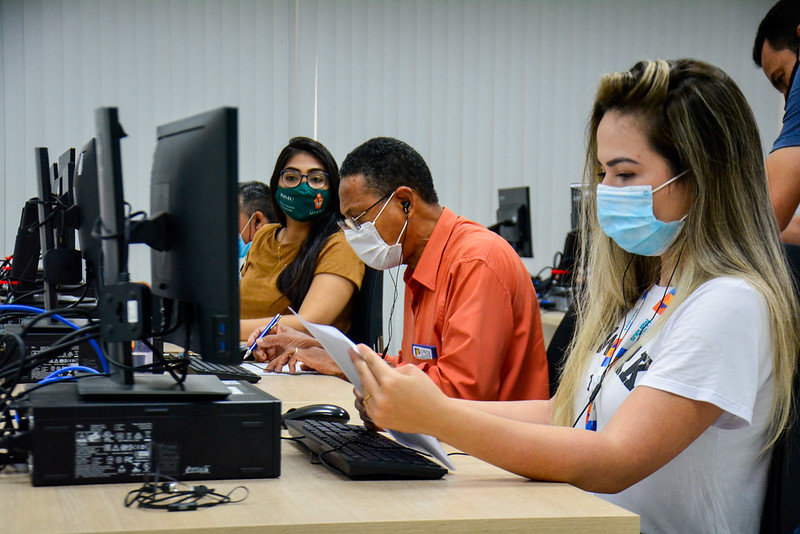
x=471 y=319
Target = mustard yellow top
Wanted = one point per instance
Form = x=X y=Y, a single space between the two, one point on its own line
x=267 y=258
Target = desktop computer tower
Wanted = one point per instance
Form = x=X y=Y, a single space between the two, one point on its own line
x=42 y=337
x=73 y=441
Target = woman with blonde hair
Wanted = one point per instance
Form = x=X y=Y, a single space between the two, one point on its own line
x=679 y=378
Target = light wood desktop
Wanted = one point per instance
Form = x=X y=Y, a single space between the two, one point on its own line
x=477 y=497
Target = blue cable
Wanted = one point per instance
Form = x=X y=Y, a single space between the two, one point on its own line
x=54 y=376
x=33 y=309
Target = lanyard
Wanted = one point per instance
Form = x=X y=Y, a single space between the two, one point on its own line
x=619 y=347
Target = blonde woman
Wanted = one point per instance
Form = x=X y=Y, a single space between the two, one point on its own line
x=679 y=379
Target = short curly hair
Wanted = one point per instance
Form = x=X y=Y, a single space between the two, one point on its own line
x=386 y=164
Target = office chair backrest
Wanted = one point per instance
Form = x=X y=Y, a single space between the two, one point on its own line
x=557 y=348
x=781 y=513
x=367 y=319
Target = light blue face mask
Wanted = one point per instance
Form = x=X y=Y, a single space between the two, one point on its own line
x=243 y=247
x=626 y=216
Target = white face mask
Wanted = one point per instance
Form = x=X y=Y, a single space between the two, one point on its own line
x=370 y=247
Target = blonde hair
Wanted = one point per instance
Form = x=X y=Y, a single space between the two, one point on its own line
x=695 y=117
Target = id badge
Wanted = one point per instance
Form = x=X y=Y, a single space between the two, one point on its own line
x=423 y=352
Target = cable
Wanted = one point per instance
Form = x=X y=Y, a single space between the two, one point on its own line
x=13 y=297
x=55 y=375
x=389 y=328
x=82 y=297
x=612 y=361
x=31 y=389
x=42 y=314
x=20 y=369
x=175 y=496
x=64 y=343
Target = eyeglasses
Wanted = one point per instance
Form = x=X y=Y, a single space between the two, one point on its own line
x=315 y=179
x=351 y=223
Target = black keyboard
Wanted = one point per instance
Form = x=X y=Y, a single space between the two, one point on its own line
x=224 y=371
x=363 y=454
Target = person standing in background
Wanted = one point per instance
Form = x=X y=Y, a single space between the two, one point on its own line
x=777 y=51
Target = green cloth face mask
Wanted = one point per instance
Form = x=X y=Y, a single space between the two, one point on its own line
x=302 y=203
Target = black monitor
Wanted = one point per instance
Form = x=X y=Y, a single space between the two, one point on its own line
x=514 y=220
x=25 y=265
x=195 y=183
x=46 y=229
x=195 y=162
x=62 y=186
x=87 y=209
x=61 y=261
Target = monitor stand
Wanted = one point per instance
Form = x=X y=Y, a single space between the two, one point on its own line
x=154 y=387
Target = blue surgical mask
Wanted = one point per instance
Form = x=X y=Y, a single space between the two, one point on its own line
x=243 y=247
x=626 y=216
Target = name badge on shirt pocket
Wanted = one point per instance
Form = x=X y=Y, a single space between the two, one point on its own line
x=423 y=352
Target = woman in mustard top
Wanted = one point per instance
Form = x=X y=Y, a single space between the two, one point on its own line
x=303 y=261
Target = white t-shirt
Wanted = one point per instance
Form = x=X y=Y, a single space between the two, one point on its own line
x=716 y=347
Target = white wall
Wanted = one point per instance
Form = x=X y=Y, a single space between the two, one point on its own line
x=492 y=93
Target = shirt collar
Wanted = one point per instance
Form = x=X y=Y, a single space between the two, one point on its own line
x=428 y=266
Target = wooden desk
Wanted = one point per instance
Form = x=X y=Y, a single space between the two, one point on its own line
x=309 y=498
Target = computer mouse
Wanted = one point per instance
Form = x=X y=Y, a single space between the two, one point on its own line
x=319 y=412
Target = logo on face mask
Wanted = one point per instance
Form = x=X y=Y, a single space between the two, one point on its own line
x=302 y=203
x=626 y=216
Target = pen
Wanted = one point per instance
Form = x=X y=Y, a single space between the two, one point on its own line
x=263 y=333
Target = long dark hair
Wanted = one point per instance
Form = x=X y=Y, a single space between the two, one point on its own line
x=296 y=278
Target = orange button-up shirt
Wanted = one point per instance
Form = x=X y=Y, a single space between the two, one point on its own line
x=471 y=313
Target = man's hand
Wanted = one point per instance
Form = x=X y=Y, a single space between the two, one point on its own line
x=311 y=358
x=282 y=339
x=287 y=346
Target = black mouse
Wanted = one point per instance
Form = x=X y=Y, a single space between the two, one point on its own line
x=318 y=412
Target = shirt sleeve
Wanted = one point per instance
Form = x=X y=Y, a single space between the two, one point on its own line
x=476 y=333
x=337 y=257
x=790 y=132
x=716 y=348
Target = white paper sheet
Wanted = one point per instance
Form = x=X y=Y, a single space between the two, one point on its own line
x=259 y=368
x=338 y=346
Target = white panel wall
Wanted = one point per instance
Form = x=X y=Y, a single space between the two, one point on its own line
x=492 y=93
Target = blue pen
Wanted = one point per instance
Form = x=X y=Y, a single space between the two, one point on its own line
x=263 y=333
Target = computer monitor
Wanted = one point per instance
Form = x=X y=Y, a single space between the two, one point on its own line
x=62 y=186
x=46 y=229
x=61 y=261
x=576 y=201
x=23 y=276
x=125 y=307
x=195 y=183
x=513 y=219
x=87 y=209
